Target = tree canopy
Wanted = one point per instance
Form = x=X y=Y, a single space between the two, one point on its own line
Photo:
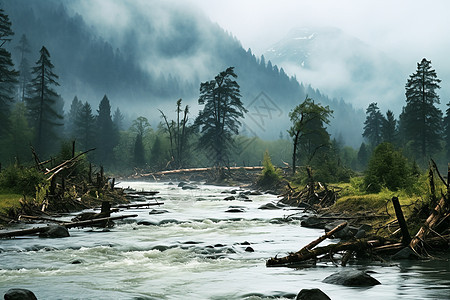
x=220 y=117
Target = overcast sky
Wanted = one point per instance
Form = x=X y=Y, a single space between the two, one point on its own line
x=407 y=30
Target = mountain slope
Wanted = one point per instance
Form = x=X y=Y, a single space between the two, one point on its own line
x=340 y=65
x=151 y=54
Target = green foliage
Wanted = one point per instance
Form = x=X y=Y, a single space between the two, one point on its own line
x=270 y=176
x=21 y=180
x=308 y=131
x=220 y=118
x=388 y=168
x=373 y=125
x=421 y=120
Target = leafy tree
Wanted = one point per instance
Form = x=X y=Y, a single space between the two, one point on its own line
x=8 y=76
x=387 y=168
x=178 y=134
x=219 y=119
x=373 y=126
x=41 y=104
x=107 y=136
x=447 y=131
x=140 y=126
x=389 y=128
x=24 y=67
x=84 y=127
x=421 y=120
x=308 y=129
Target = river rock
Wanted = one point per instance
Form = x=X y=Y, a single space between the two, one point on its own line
x=54 y=231
x=344 y=233
x=255 y=193
x=269 y=206
x=182 y=183
x=189 y=187
x=314 y=222
x=230 y=198
x=312 y=294
x=158 y=211
x=351 y=278
x=235 y=210
x=19 y=294
x=249 y=249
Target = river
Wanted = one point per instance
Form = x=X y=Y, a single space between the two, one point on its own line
x=196 y=250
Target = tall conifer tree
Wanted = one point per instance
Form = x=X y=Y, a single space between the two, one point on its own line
x=42 y=103
x=421 y=120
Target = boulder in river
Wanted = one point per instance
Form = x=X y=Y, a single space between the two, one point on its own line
x=189 y=187
x=312 y=294
x=351 y=278
x=229 y=198
x=54 y=231
x=19 y=294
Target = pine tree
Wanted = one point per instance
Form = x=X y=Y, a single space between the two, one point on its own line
x=42 y=102
x=389 y=128
x=24 y=67
x=106 y=133
x=373 y=125
x=8 y=76
x=118 y=119
x=363 y=156
x=219 y=119
x=447 y=132
x=84 y=127
x=421 y=119
x=72 y=115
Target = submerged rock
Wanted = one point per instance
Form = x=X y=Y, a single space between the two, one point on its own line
x=235 y=210
x=157 y=211
x=249 y=249
x=312 y=294
x=19 y=294
x=351 y=278
x=189 y=187
x=230 y=198
x=54 y=231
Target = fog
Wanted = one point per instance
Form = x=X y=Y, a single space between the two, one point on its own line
x=405 y=31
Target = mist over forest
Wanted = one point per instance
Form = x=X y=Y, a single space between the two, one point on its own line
x=148 y=56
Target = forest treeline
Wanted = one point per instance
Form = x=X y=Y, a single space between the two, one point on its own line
x=143 y=66
x=33 y=115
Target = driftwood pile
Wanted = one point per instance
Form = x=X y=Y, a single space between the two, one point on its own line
x=314 y=195
x=434 y=234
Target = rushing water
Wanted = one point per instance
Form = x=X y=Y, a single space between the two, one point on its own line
x=196 y=250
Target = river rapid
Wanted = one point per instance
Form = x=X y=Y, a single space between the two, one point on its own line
x=196 y=250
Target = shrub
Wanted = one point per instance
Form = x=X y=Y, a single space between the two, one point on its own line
x=270 y=176
x=21 y=180
x=388 y=168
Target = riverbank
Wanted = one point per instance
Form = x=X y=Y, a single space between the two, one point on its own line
x=194 y=248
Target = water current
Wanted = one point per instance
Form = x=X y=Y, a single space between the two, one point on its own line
x=195 y=249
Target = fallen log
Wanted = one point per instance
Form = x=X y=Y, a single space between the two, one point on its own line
x=39 y=219
x=323 y=237
x=293 y=258
x=35 y=230
x=138 y=205
x=428 y=226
